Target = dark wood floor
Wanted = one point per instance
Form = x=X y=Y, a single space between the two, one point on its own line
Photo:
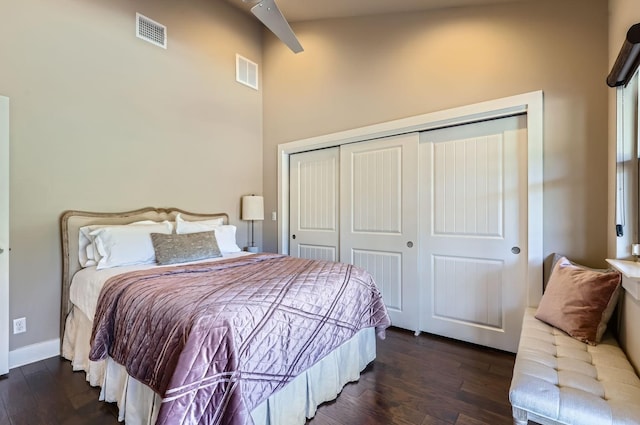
x=415 y=380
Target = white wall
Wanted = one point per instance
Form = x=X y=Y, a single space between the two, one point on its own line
x=101 y=120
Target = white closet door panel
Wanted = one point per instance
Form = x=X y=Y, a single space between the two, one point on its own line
x=468 y=176
x=386 y=269
x=377 y=190
x=316 y=252
x=468 y=290
x=317 y=189
x=378 y=226
x=314 y=204
x=473 y=208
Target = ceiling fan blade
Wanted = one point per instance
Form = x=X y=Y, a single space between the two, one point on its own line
x=267 y=11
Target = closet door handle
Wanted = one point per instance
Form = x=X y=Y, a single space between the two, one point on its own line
x=410 y=244
x=293 y=236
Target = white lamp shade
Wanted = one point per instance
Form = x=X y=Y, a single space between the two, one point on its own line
x=252 y=207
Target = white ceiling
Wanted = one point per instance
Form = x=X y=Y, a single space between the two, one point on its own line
x=307 y=10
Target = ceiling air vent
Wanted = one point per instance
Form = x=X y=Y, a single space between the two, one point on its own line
x=151 y=31
x=246 y=72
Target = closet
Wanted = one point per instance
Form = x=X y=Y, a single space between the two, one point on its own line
x=438 y=217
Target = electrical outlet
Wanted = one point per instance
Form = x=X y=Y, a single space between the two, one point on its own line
x=19 y=325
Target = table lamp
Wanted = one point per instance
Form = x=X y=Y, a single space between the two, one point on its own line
x=252 y=209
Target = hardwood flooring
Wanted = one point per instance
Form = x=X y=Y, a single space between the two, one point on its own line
x=426 y=380
x=421 y=380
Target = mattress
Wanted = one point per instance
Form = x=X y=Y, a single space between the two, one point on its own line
x=87 y=283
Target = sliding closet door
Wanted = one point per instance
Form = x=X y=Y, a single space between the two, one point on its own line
x=4 y=235
x=379 y=219
x=314 y=204
x=473 y=204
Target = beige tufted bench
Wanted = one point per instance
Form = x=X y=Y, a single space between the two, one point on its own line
x=560 y=380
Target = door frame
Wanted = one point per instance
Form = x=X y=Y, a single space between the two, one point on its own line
x=529 y=103
x=4 y=235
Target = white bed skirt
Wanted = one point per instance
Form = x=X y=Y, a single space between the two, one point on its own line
x=139 y=405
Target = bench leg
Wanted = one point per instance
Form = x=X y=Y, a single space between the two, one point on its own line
x=519 y=416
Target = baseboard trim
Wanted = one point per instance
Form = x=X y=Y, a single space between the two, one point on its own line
x=34 y=353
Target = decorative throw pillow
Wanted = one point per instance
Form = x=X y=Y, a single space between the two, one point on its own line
x=579 y=300
x=174 y=248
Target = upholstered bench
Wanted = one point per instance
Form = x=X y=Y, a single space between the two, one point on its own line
x=560 y=380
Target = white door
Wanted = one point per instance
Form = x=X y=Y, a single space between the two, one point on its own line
x=314 y=205
x=473 y=203
x=379 y=219
x=4 y=235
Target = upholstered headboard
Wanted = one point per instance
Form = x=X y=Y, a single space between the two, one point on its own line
x=72 y=221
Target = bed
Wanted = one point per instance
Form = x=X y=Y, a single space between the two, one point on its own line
x=250 y=388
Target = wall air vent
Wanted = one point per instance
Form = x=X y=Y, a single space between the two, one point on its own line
x=246 y=72
x=151 y=31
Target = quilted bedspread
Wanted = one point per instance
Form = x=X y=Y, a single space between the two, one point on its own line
x=216 y=339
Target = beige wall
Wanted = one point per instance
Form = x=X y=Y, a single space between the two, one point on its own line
x=360 y=71
x=622 y=14
x=101 y=120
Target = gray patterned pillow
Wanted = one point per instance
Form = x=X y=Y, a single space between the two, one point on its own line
x=174 y=248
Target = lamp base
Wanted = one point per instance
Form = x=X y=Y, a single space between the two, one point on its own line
x=253 y=249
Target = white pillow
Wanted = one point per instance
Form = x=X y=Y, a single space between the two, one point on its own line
x=183 y=226
x=127 y=245
x=226 y=238
x=225 y=233
x=87 y=253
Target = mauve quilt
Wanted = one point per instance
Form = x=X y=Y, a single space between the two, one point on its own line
x=216 y=339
